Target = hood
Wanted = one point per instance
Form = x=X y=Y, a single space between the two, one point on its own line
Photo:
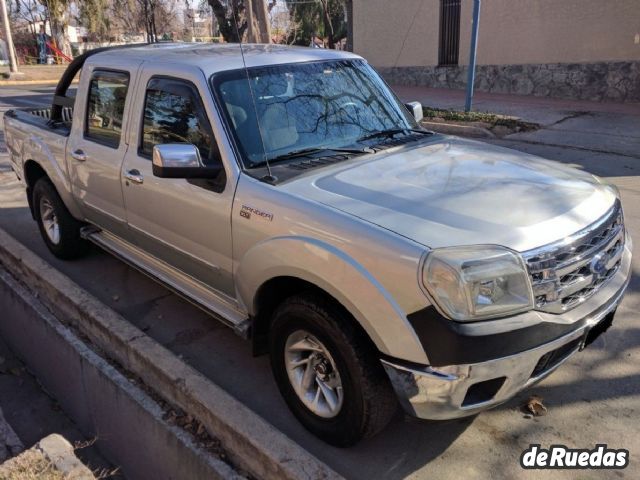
x=453 y=191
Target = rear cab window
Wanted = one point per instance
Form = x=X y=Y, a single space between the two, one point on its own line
x=105 y=107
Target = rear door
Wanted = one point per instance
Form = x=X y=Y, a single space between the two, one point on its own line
x=97 y=146
x=185 y=223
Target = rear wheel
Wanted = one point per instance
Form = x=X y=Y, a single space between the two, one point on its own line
x=329 y=375
x=59 y=230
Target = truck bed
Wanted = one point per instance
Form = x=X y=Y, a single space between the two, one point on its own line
x=40 y=117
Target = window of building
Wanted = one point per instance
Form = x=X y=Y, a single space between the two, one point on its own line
x=449 y=32
x=105 y=107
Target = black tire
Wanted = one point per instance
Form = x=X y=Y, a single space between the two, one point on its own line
x=369 y=401
x=69 y=244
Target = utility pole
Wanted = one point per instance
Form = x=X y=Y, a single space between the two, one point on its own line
x=13 y=64
x=472 y=55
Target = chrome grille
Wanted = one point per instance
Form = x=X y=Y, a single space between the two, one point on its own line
x=566 y=273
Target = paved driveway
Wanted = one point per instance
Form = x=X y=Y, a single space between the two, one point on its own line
x=594 y=398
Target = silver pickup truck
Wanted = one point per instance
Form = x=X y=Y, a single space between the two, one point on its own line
x=287 y=192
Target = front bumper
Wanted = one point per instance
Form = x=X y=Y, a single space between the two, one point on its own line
x=454 y=391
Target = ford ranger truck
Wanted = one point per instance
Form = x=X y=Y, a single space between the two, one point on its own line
x=287 y=192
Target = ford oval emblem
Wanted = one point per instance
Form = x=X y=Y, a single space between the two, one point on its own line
x=598 y=264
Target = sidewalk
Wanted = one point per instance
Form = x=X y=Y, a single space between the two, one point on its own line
x=542 y=110
x=598 y=127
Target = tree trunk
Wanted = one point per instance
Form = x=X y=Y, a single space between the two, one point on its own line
x=328 y=28
x=231 y=27
x=262 y=19
x=154 y=30
x=253 y=29
x=65 y=46
x=145 y=13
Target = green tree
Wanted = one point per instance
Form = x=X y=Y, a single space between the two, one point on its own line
x=326 y=18
x=95 y=16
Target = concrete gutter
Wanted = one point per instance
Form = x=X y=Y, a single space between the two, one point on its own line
x=128 y=425
x=250 y=442
x=10 y=444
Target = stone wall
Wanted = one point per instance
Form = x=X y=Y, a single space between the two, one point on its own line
x=603 y=81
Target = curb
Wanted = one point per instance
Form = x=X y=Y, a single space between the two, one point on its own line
x=460 y=130
x=9 y=83
x=250 y=442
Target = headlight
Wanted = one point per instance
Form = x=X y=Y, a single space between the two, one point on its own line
x=477 y=282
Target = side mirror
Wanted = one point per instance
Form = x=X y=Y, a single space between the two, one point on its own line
x=181 y=160
x=415 y=108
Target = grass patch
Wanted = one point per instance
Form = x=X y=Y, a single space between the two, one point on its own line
x=29 y=465
x=491 y=119
x=456 y=116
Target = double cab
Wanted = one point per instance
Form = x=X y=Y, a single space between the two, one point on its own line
x=291 y=195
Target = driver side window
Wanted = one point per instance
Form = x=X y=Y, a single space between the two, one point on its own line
x=173 y=113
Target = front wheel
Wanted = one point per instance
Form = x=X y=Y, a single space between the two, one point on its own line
x=329 y=375
x=59 y=230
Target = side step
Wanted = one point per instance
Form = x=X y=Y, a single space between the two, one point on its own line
x=190 y=289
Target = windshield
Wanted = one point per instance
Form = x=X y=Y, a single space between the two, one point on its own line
x=306 y=106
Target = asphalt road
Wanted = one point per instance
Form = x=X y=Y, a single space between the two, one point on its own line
x=594 y=398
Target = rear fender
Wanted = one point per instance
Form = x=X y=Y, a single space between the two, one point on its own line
x=36 y=150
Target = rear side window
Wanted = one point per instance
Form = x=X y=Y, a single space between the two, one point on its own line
x=105 y=108
x=173 y=113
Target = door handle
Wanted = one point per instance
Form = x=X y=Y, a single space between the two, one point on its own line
x=79 y=155
x=134 y=176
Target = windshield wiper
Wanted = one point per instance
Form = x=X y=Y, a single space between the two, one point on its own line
x=314 y=150
x=392 y=132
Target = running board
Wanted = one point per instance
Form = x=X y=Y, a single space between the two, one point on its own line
x=191 y=290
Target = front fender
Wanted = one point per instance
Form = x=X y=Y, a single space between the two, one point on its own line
x=340 y=276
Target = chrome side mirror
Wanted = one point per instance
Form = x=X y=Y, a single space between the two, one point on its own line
x=181 y=160
x=176 y=155
x=415 y=108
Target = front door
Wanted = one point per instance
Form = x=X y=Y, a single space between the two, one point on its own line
x=185 y=223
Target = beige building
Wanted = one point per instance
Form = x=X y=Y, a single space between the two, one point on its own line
x=569 y=48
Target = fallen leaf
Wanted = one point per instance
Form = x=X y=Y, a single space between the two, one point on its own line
x=534 y=406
